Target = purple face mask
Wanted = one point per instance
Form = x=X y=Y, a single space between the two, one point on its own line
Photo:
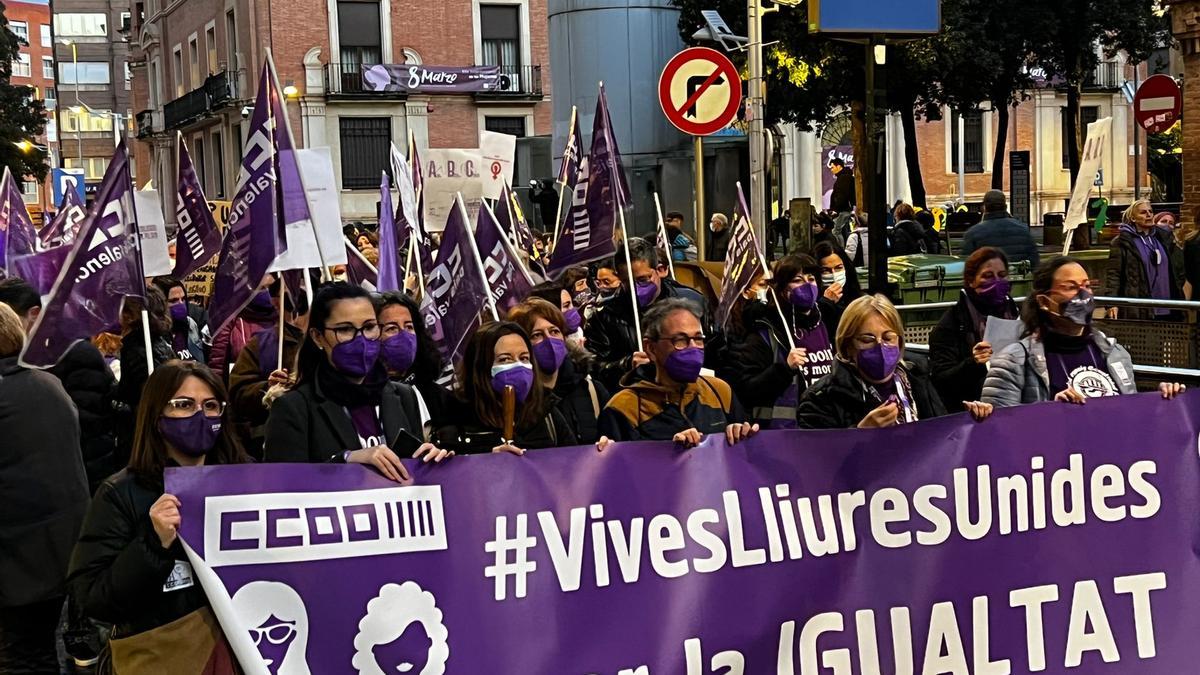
x=357 y=357
x=879 y=362
x=399 y=351
x=683 y=365
x=573 y=319
x=193 y=436
x=646 y=292
x=804 y=296
x=550 y=354
x=261 y=300
x=517 y=375
x=994 y=293
x=178 y=311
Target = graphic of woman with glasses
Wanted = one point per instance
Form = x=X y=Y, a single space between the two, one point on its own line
x=874 y=383
x=128 y=567
x=277 y=620
x=343 y=407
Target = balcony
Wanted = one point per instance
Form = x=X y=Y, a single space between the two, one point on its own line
x=198 y=103
x=1106 y=75
x=345 y=80
x=516 y=83
x=149 y=122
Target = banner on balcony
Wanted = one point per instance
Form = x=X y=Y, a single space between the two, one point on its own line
x=1045 y=539
x=421 y=79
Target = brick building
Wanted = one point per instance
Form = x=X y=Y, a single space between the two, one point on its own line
x=34 y=67
x=89 y=38
x=196 y=67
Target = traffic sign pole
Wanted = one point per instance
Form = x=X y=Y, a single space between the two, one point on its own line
x=701 y=220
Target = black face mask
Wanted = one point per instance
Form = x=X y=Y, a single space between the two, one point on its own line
x=1078 y=310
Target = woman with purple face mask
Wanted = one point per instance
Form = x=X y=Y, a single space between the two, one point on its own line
x=562 y=367
x=958 y=355
x=500 y=355
x=343 y=407
x=410 y=355
x=873 y=384
x=129 y=567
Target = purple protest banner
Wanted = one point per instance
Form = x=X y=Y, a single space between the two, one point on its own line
x=359 y=270
x=256 y=235
x=422 y=79
x=601 y=191
x=511 y=219
x=743 y=263
x=1041 y=539
x=102 y=267
x=389 y=256
x=293 y=198
x=17 y=234
x=40 y=269
x=506 y=276
x=64 y=226
x=197 y=240
x=456 y=290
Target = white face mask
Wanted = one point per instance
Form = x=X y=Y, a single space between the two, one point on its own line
x=834 y=278
x=761 y=295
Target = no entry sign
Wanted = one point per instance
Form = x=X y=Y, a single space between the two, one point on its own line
x=1158 y=103
x=699 y=91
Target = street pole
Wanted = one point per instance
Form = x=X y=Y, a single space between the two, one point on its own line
x=701 y=222
x=875 y=178
x=962 y=161
x=755 y=108
x=1137 y=146
x=78 y=104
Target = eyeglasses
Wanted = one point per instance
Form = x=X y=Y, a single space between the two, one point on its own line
x=390 y=329
x=343 y=334
x=683 y=341
x=276 y=634
x=186 y=407
x=866 y=340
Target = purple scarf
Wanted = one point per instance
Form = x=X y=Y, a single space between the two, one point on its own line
x=1155 y=262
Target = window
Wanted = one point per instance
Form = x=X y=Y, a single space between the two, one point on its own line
x=126 y=26
x=93 y=167
x=20 y=29
x=47 y=68
x=20 y=67
x=29 y=191
x=972 y=140
x=201 y=161
x=364 y=150
x=218 y=163
x=177 y=55
x=514 y=126
x=51 y=98
x=359 y=33
x=1087 y=115
x=210 y=44
x=128 y=76
x=85 y=121
x=89 y=73
x=155 y=84
x=194 y=62
x=45 y=31
x=500 y=36
x=81 y=25
x=231 y=40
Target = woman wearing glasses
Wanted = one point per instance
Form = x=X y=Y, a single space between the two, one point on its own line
x=872 y=385
x=128 y=567
x=343 y=407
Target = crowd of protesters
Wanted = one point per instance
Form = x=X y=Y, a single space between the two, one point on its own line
x=343 y=375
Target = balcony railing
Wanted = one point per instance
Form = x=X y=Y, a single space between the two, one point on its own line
x=214 y=94
x=149 y=122
x=1106 y=75
x=516 y=82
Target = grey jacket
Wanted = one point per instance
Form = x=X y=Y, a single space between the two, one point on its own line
x=1019 y=374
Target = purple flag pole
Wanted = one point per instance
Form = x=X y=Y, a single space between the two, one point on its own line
x=487 y=288
x=508 y=246
x=564 y=170
x=389 y=264
x=662 y=232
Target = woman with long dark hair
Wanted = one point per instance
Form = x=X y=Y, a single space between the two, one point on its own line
x=1061 y=356
x=409 y=353
x=129 y=568
x=343 y=407
x=838 y=282
x=497 y=356
x=958 y=354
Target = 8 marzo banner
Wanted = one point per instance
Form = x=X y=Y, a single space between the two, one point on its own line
x=1049 y=538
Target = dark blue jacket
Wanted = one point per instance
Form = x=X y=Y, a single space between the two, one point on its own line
x=1005 y=233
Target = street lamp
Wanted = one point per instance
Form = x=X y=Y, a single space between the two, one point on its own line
x=78 y=102
x=119 y=119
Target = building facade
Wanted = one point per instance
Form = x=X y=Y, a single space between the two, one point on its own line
x=196 y=67
x=34 y=68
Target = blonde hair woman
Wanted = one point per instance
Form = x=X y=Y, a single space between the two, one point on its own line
x=872 y=384
x=1143 y=262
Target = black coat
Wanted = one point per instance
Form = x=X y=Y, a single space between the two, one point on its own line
x=719 y=248
x=955 y=374
x=468 y=435
x=306 y=426
x=119 y=566
x=843 y=196
x=1126 y=274
x=133 y=377
x=1191 y=265
x=90 y=383
x=572 y=397
x=43 y=490
x=611 y=336
x=840 y=399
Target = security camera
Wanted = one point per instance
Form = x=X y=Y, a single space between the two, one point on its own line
x=245 y=112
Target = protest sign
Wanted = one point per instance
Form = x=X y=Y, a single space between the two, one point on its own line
x=304 y=249
x=498 y=152
x=448 y=172
x=152 y=228
x=1044 y=539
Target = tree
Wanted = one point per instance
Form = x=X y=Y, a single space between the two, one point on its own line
x=22 y=117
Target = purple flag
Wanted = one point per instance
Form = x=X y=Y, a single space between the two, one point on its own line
x=604 y=148
x=572 y=154
x=389 y=262
x=359 y=270
x=17 y=234
x=40 y=269
x=1040 y=540
x=511 y=219
x=255 y=235
x=456 y=291
x=66 y=222
x=742 y=264
x=103 y=266
x=197 y=240
x=505 y=276
x=294 y=199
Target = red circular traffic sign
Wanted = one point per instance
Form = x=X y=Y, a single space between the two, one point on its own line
x=699 y=91
x=1157 y=104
